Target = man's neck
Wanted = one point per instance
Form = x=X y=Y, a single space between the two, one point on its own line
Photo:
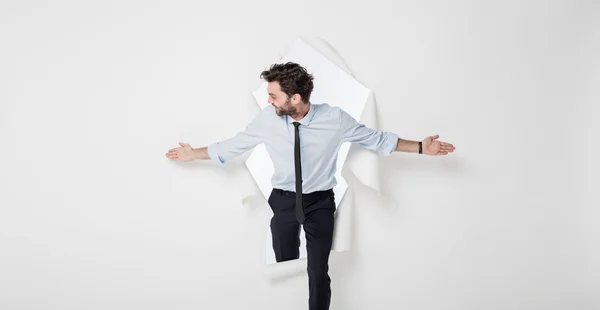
x=302 y=114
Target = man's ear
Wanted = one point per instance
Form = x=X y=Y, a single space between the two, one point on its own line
x=296 y=98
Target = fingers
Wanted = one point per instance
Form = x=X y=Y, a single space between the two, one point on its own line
x=175 y=151
x=173 y=154
x=444 y=145
x=447 y=146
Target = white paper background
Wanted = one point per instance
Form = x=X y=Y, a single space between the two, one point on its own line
x=93 y=216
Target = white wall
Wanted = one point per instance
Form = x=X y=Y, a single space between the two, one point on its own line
x=587 y=151
x=93 y=216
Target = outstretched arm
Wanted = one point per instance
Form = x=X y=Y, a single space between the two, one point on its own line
x=224 y=150
x=430 y=146
x=387 y=142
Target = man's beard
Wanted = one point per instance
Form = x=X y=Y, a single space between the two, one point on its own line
x=287 y=110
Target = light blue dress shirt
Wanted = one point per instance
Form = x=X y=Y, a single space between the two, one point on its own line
x=322 y=132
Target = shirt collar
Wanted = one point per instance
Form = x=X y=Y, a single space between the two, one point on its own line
x=305 y=121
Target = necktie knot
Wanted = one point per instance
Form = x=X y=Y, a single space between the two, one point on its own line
x=296 y=124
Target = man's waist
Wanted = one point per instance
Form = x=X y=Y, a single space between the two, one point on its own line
x=306 y=195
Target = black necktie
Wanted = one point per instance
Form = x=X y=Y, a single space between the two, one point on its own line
x=299 y=208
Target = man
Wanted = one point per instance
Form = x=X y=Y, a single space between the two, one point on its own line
x=303 y=139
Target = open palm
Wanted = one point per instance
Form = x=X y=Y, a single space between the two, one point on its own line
x=431 y=146
x=182 y=153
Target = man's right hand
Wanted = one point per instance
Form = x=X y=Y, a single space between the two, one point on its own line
x=183 y=153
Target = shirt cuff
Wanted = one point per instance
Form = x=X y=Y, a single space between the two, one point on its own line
x=392 y=143
x=213 y=154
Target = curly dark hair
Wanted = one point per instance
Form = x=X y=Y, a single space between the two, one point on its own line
x=292 y=78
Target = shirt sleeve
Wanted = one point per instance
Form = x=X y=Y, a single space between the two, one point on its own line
x=353 y=131
x=243 y=141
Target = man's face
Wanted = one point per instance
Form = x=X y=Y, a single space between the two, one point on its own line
x=283 y=104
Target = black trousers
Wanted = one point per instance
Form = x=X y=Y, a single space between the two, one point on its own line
x=319 y=208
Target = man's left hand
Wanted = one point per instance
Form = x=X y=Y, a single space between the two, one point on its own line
x=431 y=146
